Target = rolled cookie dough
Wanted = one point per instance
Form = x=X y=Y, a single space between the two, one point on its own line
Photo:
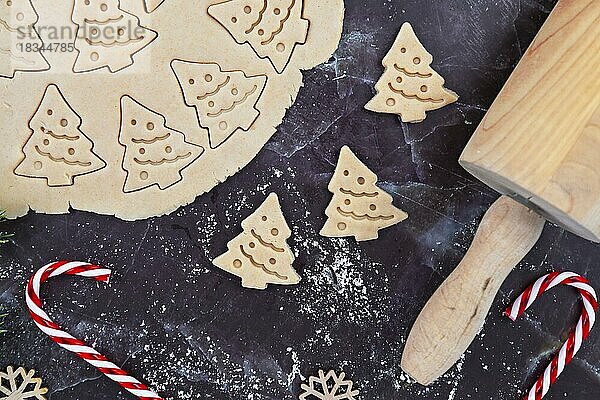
x=111 y=109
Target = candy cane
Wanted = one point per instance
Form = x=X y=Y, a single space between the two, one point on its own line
x=582 y=331
x=68 y=342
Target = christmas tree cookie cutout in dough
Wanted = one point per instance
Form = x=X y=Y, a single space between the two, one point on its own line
x=110 y=36
x=409 y=86
x=225 y=101
x=358 y=208
x=154 y=153
x=57 y=150
x=272 y=27
x=260 y=255
x=18 y=39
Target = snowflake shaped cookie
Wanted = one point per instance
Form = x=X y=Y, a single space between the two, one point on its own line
x=20 y=385
x=328 y=387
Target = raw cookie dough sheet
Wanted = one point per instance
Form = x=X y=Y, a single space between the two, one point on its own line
x=141 y=112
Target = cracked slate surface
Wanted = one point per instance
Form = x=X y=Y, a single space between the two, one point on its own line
x=192 y=332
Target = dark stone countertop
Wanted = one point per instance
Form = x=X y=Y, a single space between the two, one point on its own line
x=192 y=332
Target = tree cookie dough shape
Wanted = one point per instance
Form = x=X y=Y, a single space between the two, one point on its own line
x=110 y=37
x=57 y=149
x=16 y=49
x=260 y=255
x=329 y=387
x=272 y=27
x=225 y=101
x=154 y=153
x=18 y=384
x=409 y=86
x=152 y=5
x=359 y=208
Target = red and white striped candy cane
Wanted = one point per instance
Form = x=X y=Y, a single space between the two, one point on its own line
x=581 y=332
x=68 y=342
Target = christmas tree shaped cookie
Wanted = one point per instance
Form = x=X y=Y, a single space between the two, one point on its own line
x=409 y=86
x=110 y=36
x=57 y=150
x=19 y=41
x=358 y=208
x=272 y=27
x=260 y=254
x=154 y=153
x=152 y=5
x=225 y=101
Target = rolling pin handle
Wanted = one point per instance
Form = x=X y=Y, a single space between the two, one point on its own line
x=456 y=312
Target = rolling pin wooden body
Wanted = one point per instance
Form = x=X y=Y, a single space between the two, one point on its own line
x=539 y=144
x=540 y=140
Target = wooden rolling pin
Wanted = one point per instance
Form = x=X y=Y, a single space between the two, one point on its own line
x=539 y=145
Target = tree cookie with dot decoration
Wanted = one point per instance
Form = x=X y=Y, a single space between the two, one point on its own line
x=154 y=153
x=409 y=86
x=18 y=32
x=225 y=101
x=97 y=49
x=57 y=149
x=260 y=255
x=359 y=208
x=272 y=27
